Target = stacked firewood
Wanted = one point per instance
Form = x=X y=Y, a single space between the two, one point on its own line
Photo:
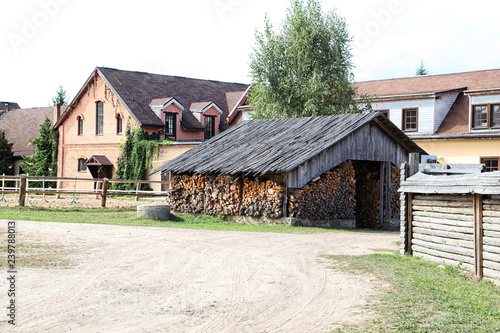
x=187 y=193
x=330 y=196
x=262 y=198
x=222 y=195
x=395 y=184
x=367 y=195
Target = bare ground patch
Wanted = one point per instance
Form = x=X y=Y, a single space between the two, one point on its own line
x=139 y=279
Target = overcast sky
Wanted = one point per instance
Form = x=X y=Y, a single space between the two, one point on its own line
x=45 y=43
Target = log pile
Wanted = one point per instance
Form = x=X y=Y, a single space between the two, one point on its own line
x=262 y=198
x=395 y=183
x=187 y=193
x=222 y=195
x=367 y=194
x=330 y=196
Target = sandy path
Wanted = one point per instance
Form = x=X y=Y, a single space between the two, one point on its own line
x=136 y=279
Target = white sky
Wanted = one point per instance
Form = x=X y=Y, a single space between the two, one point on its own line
x=44 y=43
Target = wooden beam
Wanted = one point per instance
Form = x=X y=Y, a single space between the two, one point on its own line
x=478 y=235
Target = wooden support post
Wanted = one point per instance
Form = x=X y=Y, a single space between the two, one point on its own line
x=59 y=186
x=381 y=193
x=22 y=191
x=104 y=192
x=137 y=189
x=413 y=164
x=285 y=195
x=409 y=221
x=478 y=235
x=242 y=184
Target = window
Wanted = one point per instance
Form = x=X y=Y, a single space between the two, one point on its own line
x=410 y=120
x=119 y=124
x=209 y=127
x=80 y=125
x=169 y=124
x=384 y=112
x=486 y=116
x=491 y=163
x=99 y=118
x=81 y=165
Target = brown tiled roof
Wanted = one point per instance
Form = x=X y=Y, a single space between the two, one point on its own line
x=137 y=89
x=233 y=98
x=7 y=106
x=485 y=79
x=199 y=106
x=457 y=119
x=23 y=125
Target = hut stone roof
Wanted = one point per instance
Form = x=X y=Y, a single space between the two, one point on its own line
x=276 y=145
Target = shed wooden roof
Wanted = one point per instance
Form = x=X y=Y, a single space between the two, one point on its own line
x=480 y=183
x=277 y=145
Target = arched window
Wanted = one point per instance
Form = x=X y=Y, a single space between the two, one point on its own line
x=99 y=118
x=81 y=165
x=119 y=124
x=79 y=120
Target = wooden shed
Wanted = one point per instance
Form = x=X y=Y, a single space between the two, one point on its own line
x=453 y=219
x=319 y=169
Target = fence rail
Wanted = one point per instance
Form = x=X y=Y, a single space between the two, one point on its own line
x=20 y=185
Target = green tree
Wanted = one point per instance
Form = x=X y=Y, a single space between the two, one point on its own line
x=43 y=162
x=60 y=97
x=6 y=155
x=305 y=68
x=421 y=70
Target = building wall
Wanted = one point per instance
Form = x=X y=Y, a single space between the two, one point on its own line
x=73 y=146
x=462 y=151
x=425 y=113
x=166 y=154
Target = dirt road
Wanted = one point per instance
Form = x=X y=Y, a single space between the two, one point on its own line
x=137 y=279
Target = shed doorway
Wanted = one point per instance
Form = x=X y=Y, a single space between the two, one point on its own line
x=100 y=167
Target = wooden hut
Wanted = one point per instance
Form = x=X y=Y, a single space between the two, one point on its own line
x=453 y=219
x=328 y=171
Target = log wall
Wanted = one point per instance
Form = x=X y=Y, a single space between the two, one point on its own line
x=443 y=228
x=491 y=238
x=454 y=229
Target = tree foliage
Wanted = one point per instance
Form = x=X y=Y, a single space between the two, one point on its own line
x=136 y=156
x=6 y=155
x=61 y=97
x=305 y=68
x=43 y=162
x=421 y=70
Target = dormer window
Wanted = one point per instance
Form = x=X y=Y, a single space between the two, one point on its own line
x=169 y=124
x=209 y=127
x=410 y=120
x=486 y=116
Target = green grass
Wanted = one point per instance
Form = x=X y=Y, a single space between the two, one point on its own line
x=128 y=216
x=424 y=296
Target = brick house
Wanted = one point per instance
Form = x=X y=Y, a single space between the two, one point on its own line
x=184 y=110
x=21 y=126
x=453 y=116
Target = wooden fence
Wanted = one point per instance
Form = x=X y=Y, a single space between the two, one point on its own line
x=20 y=185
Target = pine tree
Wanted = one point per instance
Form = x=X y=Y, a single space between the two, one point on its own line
x=421 y=70
x=60 y=97
x=6 y=155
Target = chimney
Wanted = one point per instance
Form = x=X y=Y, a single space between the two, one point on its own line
x=57 y=113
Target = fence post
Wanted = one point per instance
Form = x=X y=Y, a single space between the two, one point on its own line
x=22 y=191
x=137 y=189
x=104 y=192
